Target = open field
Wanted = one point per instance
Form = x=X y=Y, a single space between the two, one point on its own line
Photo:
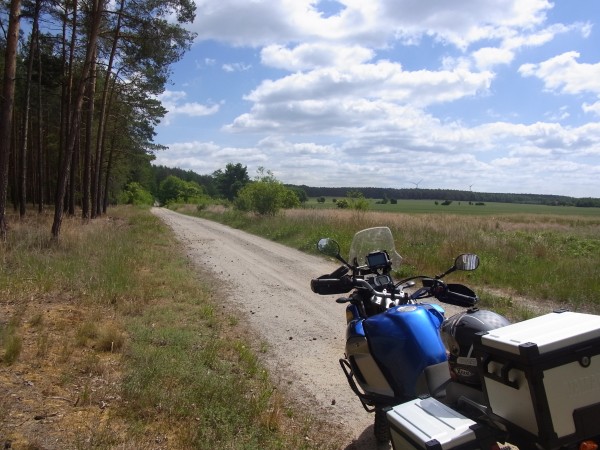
x=489 y=208
x=551 y=259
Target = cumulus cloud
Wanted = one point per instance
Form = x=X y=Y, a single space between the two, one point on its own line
x=311 y=56
x=564 y=74
x=488 y=57
x=262 y=22
x=174 y=102
x=592 y=108
x=532 y=158
x=327 y=100
x=350 y=99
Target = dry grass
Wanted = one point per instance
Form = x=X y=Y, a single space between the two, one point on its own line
x=108 y=341
x=542 y=258
x=56 y=386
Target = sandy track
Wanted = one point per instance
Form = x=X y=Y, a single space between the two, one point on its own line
x=270 y=284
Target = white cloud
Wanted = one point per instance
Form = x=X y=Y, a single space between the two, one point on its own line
x=512 y=41
x=488 y=57
x=174 y=102
x=206 y=157
x=333 y=100
x=376 y=94
x=236 y=67
x=462 y=23
x=526 y=158
x=565 y=75
x=311 y=56
x=376 y=22
x=593 y=108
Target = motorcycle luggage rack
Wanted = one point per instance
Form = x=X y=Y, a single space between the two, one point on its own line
x=368 y=400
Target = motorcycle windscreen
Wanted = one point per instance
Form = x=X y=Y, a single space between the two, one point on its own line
x=404 y=341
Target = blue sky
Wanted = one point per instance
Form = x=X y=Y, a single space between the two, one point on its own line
x=488 y=95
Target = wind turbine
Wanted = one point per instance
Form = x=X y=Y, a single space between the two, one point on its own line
x=417 y=183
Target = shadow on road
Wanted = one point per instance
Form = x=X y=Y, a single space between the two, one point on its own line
x=366 y=441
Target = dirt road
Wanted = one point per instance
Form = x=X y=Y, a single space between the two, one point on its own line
x=270 y=284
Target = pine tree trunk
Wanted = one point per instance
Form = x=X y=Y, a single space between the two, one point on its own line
x=27 y=109
x=108 y=171
x=67 y=88
x=87 y=172
x=40 y=159
x=102 y=120
x=6 y=110
x=73 y=177
x=63 y=175
x=89 y=194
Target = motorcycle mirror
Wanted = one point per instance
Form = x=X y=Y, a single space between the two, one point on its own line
x=466 y=261
x=329 y=247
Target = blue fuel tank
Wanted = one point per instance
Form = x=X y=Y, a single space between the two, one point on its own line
x=403 y=341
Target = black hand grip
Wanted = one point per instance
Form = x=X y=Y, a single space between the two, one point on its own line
x=328 y=286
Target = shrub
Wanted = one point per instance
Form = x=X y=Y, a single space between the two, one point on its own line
x=175 y=190
x=357 y=201
x=266 y=195
x=135 y=194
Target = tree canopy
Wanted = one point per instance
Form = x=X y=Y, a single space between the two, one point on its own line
x=231 y=180
x=80 y=101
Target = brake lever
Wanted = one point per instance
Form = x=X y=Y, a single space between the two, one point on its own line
x=420 y=293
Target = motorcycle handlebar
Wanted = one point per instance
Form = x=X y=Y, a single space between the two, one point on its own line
x=454 y=294
x=327 y=286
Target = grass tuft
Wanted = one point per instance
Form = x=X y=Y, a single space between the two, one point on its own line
x=12 y=343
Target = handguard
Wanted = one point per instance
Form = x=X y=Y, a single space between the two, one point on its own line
x=458 y=295
x=325 y=285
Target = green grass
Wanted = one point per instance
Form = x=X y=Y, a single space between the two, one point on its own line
x=189 y=371
x=463 y=208
x=186 y=362
x=539 y=256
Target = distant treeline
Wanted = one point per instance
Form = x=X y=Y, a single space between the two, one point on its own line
x=160 y=173
x=452 y=195
x=211 y=188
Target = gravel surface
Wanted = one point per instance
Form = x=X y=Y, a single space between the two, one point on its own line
x=270 y=284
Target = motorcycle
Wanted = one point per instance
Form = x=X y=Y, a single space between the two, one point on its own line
x=399 y=348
